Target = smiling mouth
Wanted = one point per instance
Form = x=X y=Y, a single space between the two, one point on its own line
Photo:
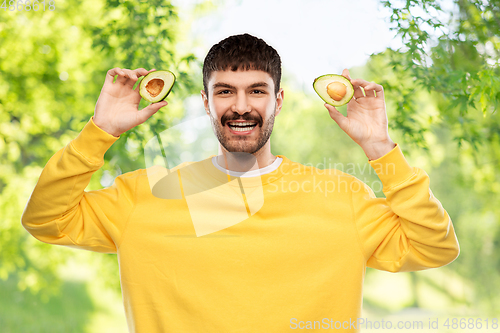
x=239 y=126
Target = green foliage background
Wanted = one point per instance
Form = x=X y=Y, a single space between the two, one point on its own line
x=442 y=91
x=52 y=65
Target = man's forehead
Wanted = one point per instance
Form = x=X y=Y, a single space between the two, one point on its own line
x=240 y=77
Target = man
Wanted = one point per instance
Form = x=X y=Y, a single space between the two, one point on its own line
x=297 y=259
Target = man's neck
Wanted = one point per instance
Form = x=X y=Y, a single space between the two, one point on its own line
x=243 y=162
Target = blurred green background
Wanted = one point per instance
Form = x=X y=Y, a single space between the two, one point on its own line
x=442 y=88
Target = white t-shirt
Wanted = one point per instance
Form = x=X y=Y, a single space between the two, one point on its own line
x=252 y=173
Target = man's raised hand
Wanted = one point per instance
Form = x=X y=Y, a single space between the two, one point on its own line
x=117 y=109
x=366 y=120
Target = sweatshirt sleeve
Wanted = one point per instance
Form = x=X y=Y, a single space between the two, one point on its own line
x=60 y=211
x=409 y=230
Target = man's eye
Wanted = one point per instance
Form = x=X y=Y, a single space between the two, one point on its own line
x=256 y=91
x=223 y=92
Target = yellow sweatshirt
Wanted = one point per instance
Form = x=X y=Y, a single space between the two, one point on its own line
x=282 y=252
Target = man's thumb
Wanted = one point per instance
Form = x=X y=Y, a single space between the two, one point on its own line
x=150 y=110
x=339 y=118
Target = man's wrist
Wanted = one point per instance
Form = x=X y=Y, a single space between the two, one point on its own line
x=92 y=142
x=377 y=150
x=392 y=168
x=105 y=128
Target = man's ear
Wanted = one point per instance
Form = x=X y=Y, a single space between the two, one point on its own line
x=204 y=96
x=279 y=101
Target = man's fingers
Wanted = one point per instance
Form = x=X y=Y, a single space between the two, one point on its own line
x=129 y=78
x=132 y=76
x=358 y=92
x=371 y=89
x=141 y=72
x=345 y=73
x=110 y=75
x=126 y=76
x=370 y=93
x=367 y=85
x=121 y=76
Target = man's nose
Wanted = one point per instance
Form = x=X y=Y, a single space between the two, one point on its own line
x=241 y=105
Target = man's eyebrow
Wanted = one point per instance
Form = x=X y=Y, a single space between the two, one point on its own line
x=225 y=85
x=259 y=84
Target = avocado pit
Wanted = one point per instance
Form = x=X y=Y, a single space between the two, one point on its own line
x=154 y=87
x=336 y=90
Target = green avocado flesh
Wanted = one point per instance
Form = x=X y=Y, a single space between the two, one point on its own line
x=334 y=89
x=156 y=86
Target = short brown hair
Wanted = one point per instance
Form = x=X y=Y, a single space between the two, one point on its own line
x=243 y=52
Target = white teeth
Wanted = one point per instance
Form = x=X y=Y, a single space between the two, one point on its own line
x=241 y=126
x=247 y=123
x=240 y=129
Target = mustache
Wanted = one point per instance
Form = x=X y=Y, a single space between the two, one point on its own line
x=236 y=116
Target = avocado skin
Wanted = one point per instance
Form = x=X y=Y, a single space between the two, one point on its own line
x=320 y=83
x=152 y=75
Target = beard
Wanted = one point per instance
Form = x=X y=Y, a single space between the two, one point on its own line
x=242 y=144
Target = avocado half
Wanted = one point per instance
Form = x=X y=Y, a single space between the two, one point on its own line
x=334 y=89
x=156 y=86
